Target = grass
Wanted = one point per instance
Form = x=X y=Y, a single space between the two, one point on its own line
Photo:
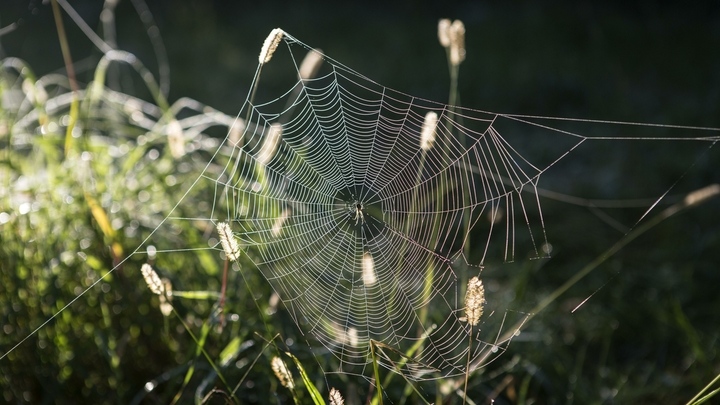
x=88 y=175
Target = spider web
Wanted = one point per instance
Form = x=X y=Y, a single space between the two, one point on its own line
x=360 y=230
x=368 y=237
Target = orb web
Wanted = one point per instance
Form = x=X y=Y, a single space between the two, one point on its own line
x=361 y=228
x=367 y=230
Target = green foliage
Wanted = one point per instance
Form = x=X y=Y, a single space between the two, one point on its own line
x=72 y=215
x=72 y=211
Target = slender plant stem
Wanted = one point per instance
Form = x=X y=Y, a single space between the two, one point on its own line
x=467 y=366
x=205 y=353
x=252 y=95
x=706 y=397
x=377 y=372
x=222 y=292
x=253 y=364
x=695 y=400
x=65 y=47
x=408 y=382
x=624 y=241
x=405 y=358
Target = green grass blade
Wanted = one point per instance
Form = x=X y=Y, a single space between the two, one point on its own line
x=695 y=400
x=377 y=374
x=197 y=295
x=311 y=389
x=706 y=397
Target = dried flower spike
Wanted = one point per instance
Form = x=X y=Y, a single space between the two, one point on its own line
x=152 y=279
x=368 y=270
x=444 y=32
x=34 y=92
x=270 y=45
x=427 y=136
x=282 y=373
x=269 y=146
x=165 y=306
x=228 y=241
x=311 y=64
x=336 y=398
x=236 y=132
x=474 y=300
x=176 y=139
x=278 y=225
x=457 y=42
x=699 y=196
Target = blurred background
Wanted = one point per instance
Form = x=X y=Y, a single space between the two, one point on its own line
x=649 y=334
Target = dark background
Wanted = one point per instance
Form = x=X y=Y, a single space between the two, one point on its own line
x=567 y=58
x=650 y=333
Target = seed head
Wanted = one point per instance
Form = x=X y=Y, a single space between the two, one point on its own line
x=279 y=222
x=270 y=45
x=457 y=42
x=34 y=92
x=152 y=279
x=311 y=64
x=176 y=139
x=427 y=136
x=699 y=196
x=347 y=337
x=336 y=398
x=368 y=270
x=269 y=146
x=352 y=337
x=474 y=300
x=228 y=241
x=282 y=373
x=444 y=32
x=236 y=132
x=165 y=299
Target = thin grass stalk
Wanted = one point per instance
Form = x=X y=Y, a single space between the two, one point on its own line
x=65 y=47
x=423 y=311
x=142 y=71
x=467 y=365
x=262 y=316
x=223 y=287
x=691 y=200
x=253 y=92
x=377 y=372
x=191 y=370
x=97 y=211
x=706 y=397
x=157 y=43
x=438 y=394
x=435 y=233
x=84 y=27
x=430 y=270
x=214 y=392
x=239 y=384
x=205 y=353
x=411 y=351
x=697 y=400
x=111 y=348
x=236 y=176
x=428 y=135
x=408 y=382
x=454 y=101
x=455 y=51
